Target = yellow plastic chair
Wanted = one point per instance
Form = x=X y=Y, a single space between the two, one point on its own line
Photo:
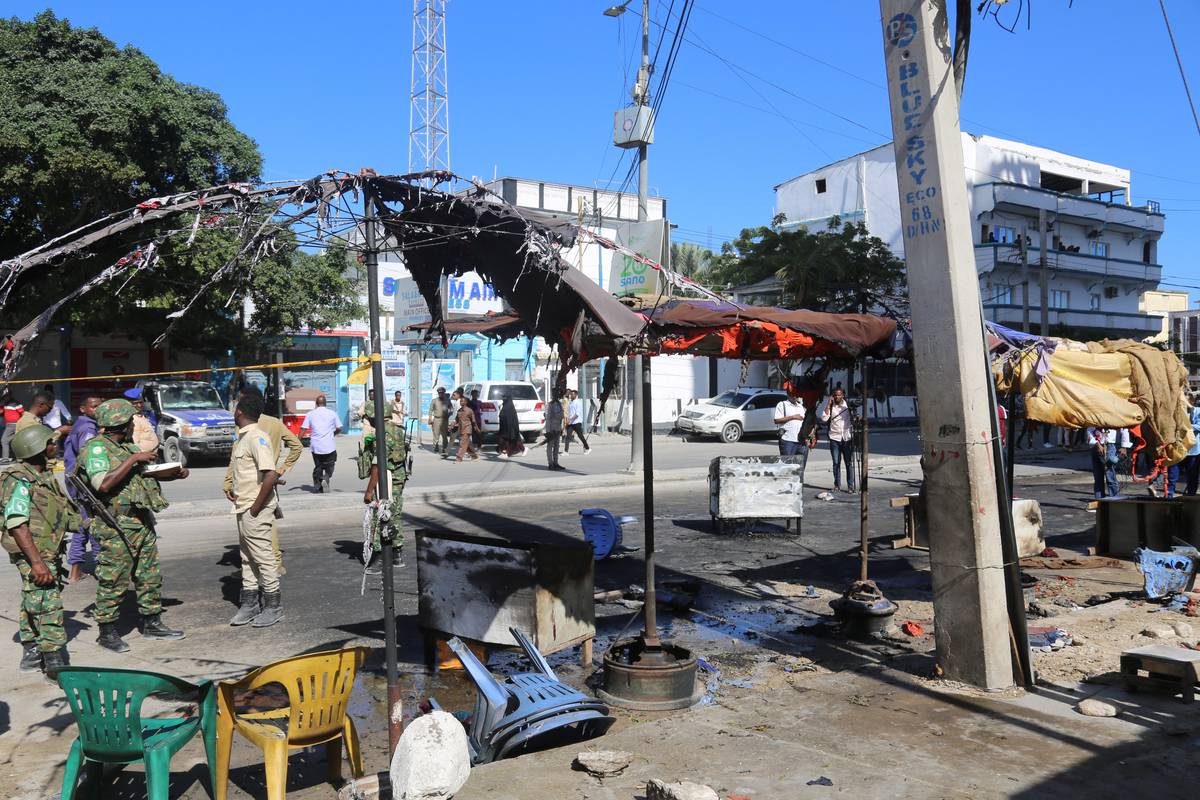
x=318 y=687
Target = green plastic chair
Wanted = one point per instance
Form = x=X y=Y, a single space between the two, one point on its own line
x=107 y=704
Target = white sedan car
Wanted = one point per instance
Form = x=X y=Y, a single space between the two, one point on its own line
x=732 y=414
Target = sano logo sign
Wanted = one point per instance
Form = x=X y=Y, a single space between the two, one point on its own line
x=470 y=294
x=648 y=239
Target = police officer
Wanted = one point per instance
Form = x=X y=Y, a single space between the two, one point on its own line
x=112 y=464
x=397 y=465
x=37 y=517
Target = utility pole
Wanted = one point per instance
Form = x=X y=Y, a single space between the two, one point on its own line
x=1044 y=275
x=642 y=409
x=962 y=504
x=1024 y=280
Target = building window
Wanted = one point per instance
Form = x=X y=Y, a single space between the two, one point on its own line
x=1002 y=295
x=1148 y=253
x=1005 y=235
x=821 y=186
x=1098 y=248
x=1060 y=298
x=984 y=230
x=1094 y=302
x=514 y=369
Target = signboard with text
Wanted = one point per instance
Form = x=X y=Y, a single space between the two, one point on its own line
x=630 y=276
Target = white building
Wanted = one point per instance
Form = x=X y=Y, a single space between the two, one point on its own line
x=1101 y=250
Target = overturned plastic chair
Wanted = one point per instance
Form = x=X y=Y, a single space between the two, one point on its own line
x=318 y=687
x=527 y=709
x=107 y=705
x=604 y=532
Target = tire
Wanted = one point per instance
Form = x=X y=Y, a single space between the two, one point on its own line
x=173 y=452
x=732 y=432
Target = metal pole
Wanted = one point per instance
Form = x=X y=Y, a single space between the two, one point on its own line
x=650 y=635
x=637 y=458
x=1024 y=282
x=862 y=479
x=383 y=485
x=1043 y=277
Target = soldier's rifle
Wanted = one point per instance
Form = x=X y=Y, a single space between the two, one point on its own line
x=95 y=508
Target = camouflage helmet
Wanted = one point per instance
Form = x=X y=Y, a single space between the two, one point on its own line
x=31 y=442
x=114 y=413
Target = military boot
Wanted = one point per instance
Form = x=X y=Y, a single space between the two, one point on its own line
x=109 y=639
x=249 y=607
x=53 y=661
x=271 y=612
x=31 y=658
x=152 y=627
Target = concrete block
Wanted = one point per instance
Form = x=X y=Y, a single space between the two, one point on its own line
x=684 y=790
x=432 y=760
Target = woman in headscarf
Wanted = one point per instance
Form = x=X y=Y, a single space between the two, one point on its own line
x=511 y=443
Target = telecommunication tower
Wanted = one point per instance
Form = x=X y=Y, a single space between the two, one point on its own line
x=429 y=112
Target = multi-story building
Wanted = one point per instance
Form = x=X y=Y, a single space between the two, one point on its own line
x=1162 y=303
x=1101 y=251
x=1184 y=339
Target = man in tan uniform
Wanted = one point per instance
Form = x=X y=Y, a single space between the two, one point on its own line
x=252 y=465
x=277 y=436
x=145 y=438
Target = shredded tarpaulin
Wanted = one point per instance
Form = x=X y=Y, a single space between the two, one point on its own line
x=1109 y=384
x=1165 y=574
x=1045 y=640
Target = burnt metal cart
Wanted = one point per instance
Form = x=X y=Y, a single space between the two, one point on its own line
x=751 y=488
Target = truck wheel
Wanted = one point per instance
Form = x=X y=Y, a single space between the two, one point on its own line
x=732 y=432
x=173 y=452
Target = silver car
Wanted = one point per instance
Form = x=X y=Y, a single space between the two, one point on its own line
x=730 y=415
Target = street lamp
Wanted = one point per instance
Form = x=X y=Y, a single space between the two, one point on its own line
x=616 y=11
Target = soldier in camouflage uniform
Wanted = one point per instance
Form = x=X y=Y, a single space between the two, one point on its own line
x=37 y=517
x=112 y=464
x=397 y=465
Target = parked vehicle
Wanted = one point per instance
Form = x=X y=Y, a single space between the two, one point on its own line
x=531 y=411
x=190 y=419
x=731 y=415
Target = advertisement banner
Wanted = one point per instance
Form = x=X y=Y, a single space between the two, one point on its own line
x=435 y=372
x=470 y=294
x=409 y=309
x=650 y=239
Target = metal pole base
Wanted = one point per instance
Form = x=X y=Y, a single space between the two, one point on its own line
x=863 y=610
x=643 y=676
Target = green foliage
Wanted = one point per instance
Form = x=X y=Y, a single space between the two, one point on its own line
x=87 y=128
x=689 y=259
x=841 y=269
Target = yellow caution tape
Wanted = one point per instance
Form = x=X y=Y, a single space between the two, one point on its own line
x=363 y=361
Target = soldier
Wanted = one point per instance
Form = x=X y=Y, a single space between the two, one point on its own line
x=111 y=463
x=397 y=465
x=37 y=517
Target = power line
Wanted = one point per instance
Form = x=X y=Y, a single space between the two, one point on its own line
x=1179 y=62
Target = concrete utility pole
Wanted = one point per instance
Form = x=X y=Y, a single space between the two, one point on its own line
x=641 y=96
x=1044 y=275
x=951 y=365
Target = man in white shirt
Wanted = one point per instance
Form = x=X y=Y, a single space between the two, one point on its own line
x=574 y=426
x=58 y=415
x=323 y=424
x=1107 y=446
x=789 y=416
x=836 y=414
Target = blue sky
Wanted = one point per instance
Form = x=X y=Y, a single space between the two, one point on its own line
x=533 y=86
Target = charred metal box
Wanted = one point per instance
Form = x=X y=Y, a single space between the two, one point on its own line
x=476 y=587
x=766 y=487
x=1124 y=524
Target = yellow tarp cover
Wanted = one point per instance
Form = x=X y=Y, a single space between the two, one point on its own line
x=1113 y=384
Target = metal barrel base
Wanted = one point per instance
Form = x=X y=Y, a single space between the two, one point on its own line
x=645 y=678
x=864 y=610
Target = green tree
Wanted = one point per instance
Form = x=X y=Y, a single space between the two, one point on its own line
x=689 y=259
x=841 y=269
x=88 y=129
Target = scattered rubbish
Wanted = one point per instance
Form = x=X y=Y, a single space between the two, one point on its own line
x=1067 y=603
x=821 y=781
x=1045 y=640
x=825 y=496
x=936 y=730
x=860 y=700
x=1183 y=630
x=432 y=759
x=683 y=790
x=913 y=628
x=1097 y=599
x=1074 y=562
x=811 y=591
x=611 y=596
x=711 y=684
x=604 y=532
x=1166 y=574
x=678 y=595
x=602 y=763
x=1049 y=552
x=1036 y=609
x=740 y=683
x=1159 y=632
x=797 y=664
x=1092 y=707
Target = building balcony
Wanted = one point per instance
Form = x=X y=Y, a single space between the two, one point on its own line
x=989 y=257
x=1114 y=324
x=1028 y=200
